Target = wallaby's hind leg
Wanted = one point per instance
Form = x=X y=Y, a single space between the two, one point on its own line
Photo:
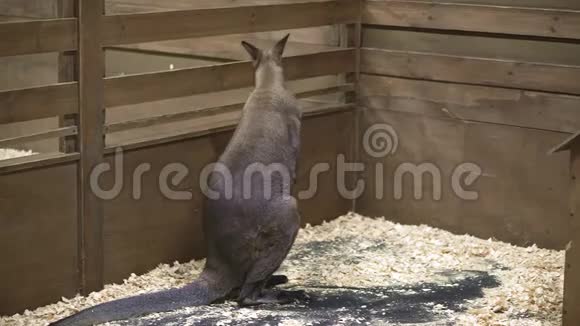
x=272 y=247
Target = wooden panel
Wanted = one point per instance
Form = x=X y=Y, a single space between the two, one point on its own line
x=505 y=73
x=572 y=271
x=492 y=19
x=141 y=233
x=177 y=83
x=135 y=28
x=473 y=103
x=480 y=46
x=38 y=36
x=29 y=8
x=207 y=125
x=520 y=187
x=91 y=141
x=38 y=237
x=40 y=102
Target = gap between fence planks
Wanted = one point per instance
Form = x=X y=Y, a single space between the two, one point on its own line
x=169 y=25
x=474 y=18
x=148 y=87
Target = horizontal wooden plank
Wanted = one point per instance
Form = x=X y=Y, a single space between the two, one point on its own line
x=552 y=4
x=60 y=132
x=39 y=102
x=211 y=125
x=469 y=103
x=38 y=36
x=28 y=8
x=205 y=112
x=35 y=161
x=184 y=82
x=469 y=45
x=476 y=18
x=493 y=72
x=136 y=28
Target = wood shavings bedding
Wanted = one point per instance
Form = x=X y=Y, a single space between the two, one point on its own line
x=364 y=271
x=6 y=153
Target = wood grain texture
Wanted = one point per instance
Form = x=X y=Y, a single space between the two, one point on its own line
x=29 y=8
x=141 y=233
x=184 y=82
x=136 y=28
x=38 y=237
x=478 y=18
x=91 y=142
x=469 y=45
x=572 y=271
x=205 y=112
x=131 y=6
x=469 y=70
x=520 y=189
x=38 y=36
x=39 y=102
x=473 y=103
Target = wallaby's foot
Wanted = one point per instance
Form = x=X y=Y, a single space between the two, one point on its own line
x=274 y=297
x=276 y=280
x=273 y=281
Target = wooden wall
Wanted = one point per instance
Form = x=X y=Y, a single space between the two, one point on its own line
x=470 y=81
x=165 y=102
x=38 y=213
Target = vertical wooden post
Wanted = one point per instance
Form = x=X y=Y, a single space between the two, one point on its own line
x=91 y=141
x=351 y=36
x=572 y=272
x=67 y=71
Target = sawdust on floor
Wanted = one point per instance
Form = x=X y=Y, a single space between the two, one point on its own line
x=356 y=252
x=7 y=153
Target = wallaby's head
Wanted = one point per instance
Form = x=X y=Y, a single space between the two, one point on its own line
x=268 y=64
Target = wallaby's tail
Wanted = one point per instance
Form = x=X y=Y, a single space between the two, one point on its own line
x=200 y=292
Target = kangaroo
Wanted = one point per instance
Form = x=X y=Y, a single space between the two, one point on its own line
x=249 y=229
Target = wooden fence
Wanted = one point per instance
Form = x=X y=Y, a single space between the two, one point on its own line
x=459 y=80
x=57 y=235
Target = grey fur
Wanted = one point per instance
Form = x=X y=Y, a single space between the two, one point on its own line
x=247 y=238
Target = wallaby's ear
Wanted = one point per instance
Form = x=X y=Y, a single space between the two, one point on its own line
x=254 y=52
x=278 y=49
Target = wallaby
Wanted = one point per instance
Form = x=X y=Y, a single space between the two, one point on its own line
x=249 y=232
